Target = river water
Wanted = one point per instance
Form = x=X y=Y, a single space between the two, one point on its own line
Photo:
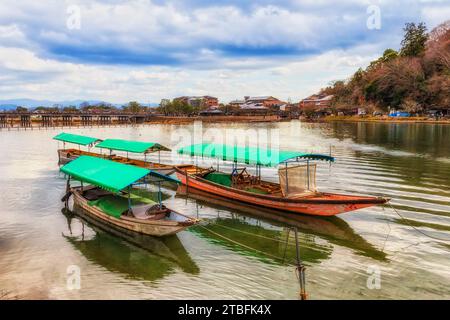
x=239 y=252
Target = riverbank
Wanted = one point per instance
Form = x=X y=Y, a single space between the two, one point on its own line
x=385 y=119
x=227 y=119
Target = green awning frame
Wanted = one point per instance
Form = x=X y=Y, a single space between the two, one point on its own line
x=249 y=155
x=107 y=174
x=131 y=146
x=76 y=139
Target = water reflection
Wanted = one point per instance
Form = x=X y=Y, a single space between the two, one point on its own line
x=107 y=248
x=239 y=227
x=415 y=138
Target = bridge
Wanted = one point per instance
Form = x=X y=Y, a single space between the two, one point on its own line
x=31 y=120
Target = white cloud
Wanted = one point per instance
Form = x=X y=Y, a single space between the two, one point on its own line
x=146 y=50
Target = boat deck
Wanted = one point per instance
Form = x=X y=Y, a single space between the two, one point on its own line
x=242 y=181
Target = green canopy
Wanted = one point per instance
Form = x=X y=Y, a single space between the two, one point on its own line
x=131 y=146
x=109 y=175
x=249 y=155
x=75 y=138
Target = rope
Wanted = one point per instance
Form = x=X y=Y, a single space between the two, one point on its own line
x=252 y=234
x=299 y=270
x=418 y=230
x=243 y=245
x=388 y=234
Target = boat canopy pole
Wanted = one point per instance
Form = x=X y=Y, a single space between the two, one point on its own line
x=68 y=184
x=159 y=194
x=307 y=171
x=287 y=179
x=159 y=156
x=129 y=199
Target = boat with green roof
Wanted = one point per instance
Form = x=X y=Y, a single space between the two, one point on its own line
x=65 y=155
x=296 y=191
x=112 y=197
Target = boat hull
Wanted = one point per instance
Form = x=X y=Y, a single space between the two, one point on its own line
x=324 y=205
x=156 y=228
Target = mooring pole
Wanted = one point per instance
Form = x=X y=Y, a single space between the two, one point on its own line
x=66 y=202
x=300 y=268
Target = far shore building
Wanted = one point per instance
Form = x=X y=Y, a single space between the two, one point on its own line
x=320 y=104
x=317 y=101
x=257 y=105
x=266 y=101
x=212 y=111
x=236 y=103
x=199 y=101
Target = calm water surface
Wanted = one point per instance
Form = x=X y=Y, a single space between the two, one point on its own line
x=239 y=252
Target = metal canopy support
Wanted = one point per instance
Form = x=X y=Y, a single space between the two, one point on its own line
x=307 y=172
x=287 y=179
x=159 y=194
x=129 y=199
x=159 y=156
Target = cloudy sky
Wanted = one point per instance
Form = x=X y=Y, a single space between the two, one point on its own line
x=145 y=50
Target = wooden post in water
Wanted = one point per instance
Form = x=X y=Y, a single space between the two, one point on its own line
x=300 y=268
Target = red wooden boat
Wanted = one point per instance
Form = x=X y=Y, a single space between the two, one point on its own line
x=295 y=193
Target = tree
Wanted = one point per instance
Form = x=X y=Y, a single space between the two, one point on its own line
x=69 y=109
x=411 y=105
x=389 y=55
x=133 y=107
x=415 y=38
x=21 y=109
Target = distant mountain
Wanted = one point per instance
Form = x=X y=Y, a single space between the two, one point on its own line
x=12 y=104
x=7 y=107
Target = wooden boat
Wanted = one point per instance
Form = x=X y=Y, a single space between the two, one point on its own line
x=65 y=155
x=241 y=186
x=106 y=200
